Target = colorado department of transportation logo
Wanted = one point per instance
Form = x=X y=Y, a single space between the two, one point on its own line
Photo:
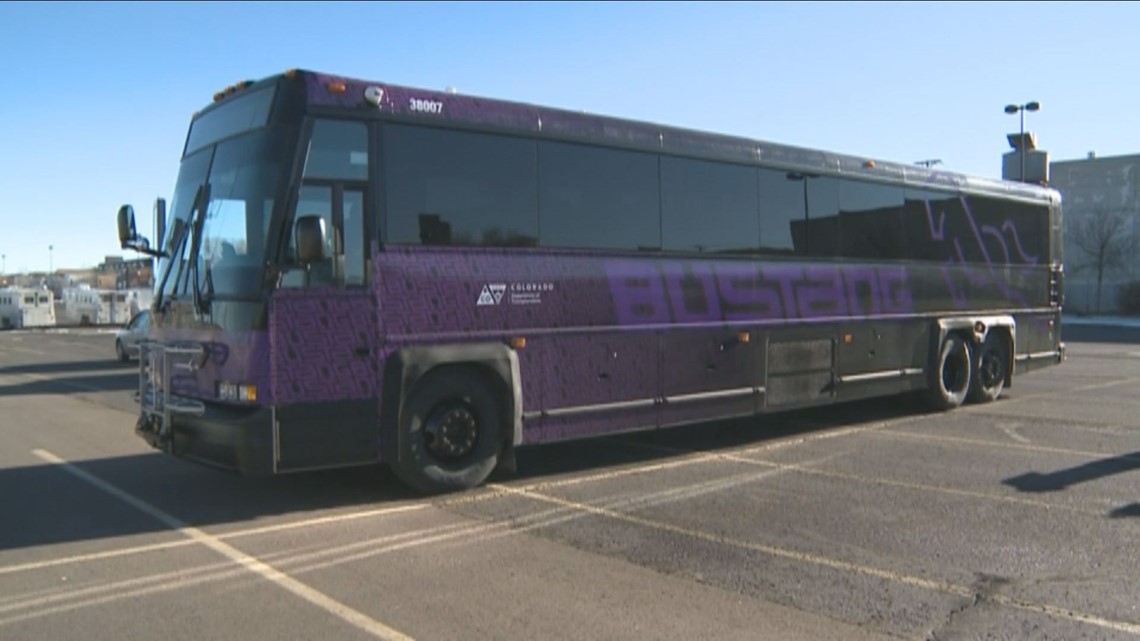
x=491 y=294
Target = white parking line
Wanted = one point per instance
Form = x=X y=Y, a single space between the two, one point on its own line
x=1026 y=447
x=340 y=610
x=692 y=458
x=1010 y=430
x=918 y=487
x=835 y=564
x=157 y=547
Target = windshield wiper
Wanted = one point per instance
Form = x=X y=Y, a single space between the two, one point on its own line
x=197 y=225
x=174 y=249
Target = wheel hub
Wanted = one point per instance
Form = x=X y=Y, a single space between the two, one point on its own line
x=990 y=369
x=451 y=432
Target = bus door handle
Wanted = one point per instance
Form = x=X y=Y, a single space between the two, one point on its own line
x=362 y=351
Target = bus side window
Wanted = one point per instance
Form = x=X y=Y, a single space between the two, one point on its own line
x=336 y=172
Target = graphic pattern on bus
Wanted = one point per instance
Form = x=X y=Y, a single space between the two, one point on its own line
x=321 y=341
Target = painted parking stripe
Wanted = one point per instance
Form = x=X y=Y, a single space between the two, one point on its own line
x=1025 y=447
x=835 y=564
x=250 y=563
x=158 y=547
x=692 y=458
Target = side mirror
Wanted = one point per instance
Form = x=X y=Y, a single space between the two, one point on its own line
x=127 y=232
x=309 y=232
x=159 y=221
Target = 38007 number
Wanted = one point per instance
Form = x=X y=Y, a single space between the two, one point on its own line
x=426 y=106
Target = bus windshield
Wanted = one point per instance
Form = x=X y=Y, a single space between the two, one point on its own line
x=241 y=175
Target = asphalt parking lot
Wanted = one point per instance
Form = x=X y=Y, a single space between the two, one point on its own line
x=1014 y=520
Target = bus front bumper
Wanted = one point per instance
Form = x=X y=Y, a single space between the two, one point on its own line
x=235 y=439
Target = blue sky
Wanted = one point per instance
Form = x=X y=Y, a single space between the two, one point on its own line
x=98 y=96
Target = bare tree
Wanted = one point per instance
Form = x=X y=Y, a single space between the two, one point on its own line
x=1104 y=238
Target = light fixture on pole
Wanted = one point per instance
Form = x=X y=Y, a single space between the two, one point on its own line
x=1021 y=109
x=50 y=267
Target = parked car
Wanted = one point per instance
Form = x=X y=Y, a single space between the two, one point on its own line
x=129 y=336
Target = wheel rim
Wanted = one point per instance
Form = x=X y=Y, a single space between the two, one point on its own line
x=955 y=371
x=451 y=431
x=991 y=369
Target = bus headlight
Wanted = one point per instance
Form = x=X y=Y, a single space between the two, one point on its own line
x=237 y=392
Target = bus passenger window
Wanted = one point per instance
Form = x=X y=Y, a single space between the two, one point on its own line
x=708 y=207
x=459 y=188
x=870 y=220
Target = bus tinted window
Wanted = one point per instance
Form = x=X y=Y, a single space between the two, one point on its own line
x=781 y=210
x=240 y=114
x=459 y=188
x=936 y=229
x=598 y=198
x=338 y=150
x=870 y=220
x=822 y=227
x=708 y=207
x=799 y=213
x=1011 y=232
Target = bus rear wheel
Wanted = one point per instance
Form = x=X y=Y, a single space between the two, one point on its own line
x=950 y=377
x=449 y=432
x=991 y=365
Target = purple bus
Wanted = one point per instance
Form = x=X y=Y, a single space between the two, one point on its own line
x=353 y=272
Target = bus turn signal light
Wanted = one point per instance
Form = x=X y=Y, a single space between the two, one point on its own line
x=337 y=87
x=518 y=342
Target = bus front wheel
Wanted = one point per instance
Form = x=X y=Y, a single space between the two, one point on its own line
x=950 y=377
x=449 y=432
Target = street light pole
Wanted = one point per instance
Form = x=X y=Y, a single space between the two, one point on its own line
x=50 y=267
x=1021 y=109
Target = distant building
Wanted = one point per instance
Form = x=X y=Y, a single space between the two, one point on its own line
x=117 y=273
x=1101 y=205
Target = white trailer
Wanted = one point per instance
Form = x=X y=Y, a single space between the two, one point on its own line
x=79 y=306
x=121 y=305
x=26 y=307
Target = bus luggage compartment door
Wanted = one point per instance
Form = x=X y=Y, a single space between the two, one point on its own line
x=800 y=372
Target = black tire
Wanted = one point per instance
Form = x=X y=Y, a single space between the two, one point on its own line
x=450 y=432
x=991 y=366
x=951 y=374
x=120 y=352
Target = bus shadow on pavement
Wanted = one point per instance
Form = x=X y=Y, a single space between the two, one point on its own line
x=73 y=377
x=73 y=385
x=72 y=366
x=47 y=504
x=660 y=445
